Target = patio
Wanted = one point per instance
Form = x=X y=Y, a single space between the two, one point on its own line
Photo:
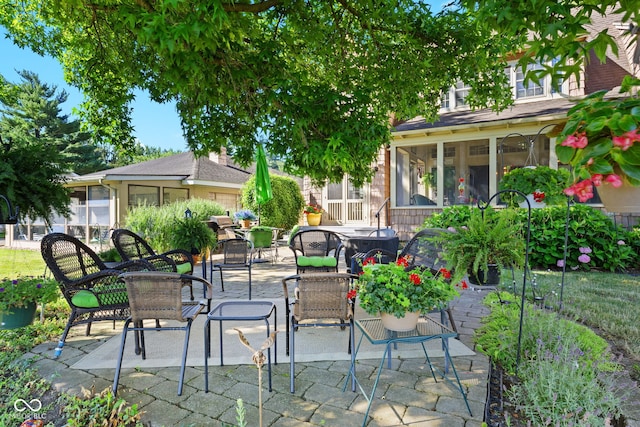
x=402 y=398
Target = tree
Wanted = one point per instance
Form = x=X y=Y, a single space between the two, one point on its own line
x=319 y=77
x=38 y=144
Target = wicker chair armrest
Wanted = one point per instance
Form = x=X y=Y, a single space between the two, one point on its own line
x=133 y=265
x=102 y=277
x=375 y=251
x=179 y=255
x=161 y=263
x=188 y=278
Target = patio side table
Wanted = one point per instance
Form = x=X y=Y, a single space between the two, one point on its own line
x=249 y=310
x=426 y=330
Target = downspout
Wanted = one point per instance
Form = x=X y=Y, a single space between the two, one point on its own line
x=387 y=183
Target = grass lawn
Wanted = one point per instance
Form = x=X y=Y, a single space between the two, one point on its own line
x=17 y=262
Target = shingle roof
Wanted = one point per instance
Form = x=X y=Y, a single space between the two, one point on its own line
x=518 y=111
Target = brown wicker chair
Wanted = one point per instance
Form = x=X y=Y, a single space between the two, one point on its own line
x=237 y=255
x=315 y=251
x=92 y=290
x=158 y=295
x=317 y=299
x=132 y=246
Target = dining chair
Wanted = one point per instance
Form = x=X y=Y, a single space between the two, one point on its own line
x=237 y=254
x=93 y=291
x=315 y=250
x=158 y=295
x=317 y=299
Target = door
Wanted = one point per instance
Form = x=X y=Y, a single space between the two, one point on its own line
x=346 y=203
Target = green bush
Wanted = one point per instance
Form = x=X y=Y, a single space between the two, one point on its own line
x=612 y=248
x=156 y=223
x=283 y=210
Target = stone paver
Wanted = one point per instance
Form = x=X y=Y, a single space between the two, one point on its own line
x=406 y=395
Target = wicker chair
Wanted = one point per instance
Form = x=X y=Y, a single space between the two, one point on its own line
x=318 y=298
x=237 y=254
x=131 y=246
x=420 y=251
x=158 y=295
x=315 y=251
x=92 y=290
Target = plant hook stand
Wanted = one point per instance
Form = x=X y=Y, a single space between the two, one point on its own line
x=483 y=206
x=12 y=217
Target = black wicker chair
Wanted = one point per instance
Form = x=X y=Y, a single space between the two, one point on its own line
x=131 y=246
x=316 y=251
x=92 y=290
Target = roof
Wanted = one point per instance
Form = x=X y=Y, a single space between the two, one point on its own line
x=526 y=110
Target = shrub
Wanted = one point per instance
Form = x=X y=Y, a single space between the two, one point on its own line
x=283 y=211
x=155 y=223
x=612 y=247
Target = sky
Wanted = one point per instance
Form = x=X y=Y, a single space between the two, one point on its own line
x=156 y=125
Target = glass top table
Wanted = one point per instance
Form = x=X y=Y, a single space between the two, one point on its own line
x=426 y=330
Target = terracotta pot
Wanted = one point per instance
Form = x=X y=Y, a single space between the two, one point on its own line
x=625 y=199
x=17 y=317
x=246 y=223
x=400 y=324
x=314 y=219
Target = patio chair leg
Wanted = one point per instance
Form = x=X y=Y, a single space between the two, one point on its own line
x=116 y=378
x=184 y=356
x=292 y=363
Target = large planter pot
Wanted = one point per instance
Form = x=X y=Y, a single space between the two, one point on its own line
x=314 y=219
x=400 y=324
x=260 y=238
x=532 y=202
x=492 y=279
x=625 y=199
x=17 y=317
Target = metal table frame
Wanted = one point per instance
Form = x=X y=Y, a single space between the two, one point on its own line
x=426 y=330
x=244 y=310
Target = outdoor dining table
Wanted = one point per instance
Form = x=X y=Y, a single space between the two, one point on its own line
x=426 y=330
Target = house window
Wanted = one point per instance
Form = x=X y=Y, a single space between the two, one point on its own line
x=445 y=102
x=531 y=88
x=462 y=91
x=170 y=195
x=142 y=195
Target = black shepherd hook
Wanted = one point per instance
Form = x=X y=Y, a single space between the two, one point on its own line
x=12 y=217
x=483 y=206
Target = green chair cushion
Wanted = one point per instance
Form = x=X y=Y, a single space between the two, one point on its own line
x=317 y=261
x=85 y=299
x=183 y=268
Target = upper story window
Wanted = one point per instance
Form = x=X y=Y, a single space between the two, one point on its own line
x=462 y=91
x=529 y=89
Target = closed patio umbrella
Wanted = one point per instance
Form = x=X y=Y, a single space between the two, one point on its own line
x=263 y=183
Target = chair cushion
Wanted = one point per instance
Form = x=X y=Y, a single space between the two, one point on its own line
x=183 y=268
x=317 y=261
x=85 y=299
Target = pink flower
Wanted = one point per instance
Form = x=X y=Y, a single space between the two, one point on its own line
x=577 y=140
x=584 y=258
x=621 y=243
x=597 y=179
x=585 y=250
x=614 y=180
x=560 y=263
x=583 y=190
x=625 y=141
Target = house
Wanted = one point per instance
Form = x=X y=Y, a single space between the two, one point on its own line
x=461 y=158
x=100 y=200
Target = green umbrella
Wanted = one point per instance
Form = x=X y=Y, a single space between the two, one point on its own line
x=263 y=183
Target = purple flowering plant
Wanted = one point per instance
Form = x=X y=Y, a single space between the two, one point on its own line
x=584 y=258
x=22 y=290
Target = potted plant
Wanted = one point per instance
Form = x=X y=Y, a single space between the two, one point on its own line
x=541 y=184
x=260 y=236
x=245 y=217
x=313 y=213
x=193 y=235
x=18 y=299
x=600 y=142
x=395 y=291
x=486 y=244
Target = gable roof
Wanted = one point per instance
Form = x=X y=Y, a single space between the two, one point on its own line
x=182 y=166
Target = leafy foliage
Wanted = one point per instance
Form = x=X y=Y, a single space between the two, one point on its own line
x=101 y=409
x=395 y=289
x=22 y=290
x=283 y=210
x=541 y=178
x=318 y=78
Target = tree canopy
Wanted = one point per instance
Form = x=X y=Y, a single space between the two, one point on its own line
x=319 y=79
